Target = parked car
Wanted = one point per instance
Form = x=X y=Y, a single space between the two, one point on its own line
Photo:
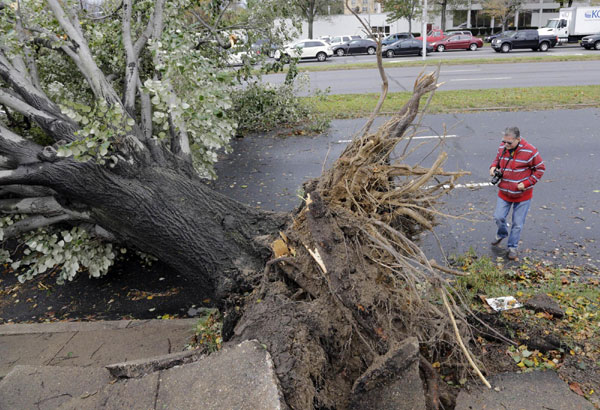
x=405 y=47
x=392 y=38
x=524 y=39
x=434 y=35
x=305 y=49
x=489 y=38
x=343 y=39
x=453 y=32
x=361 y=46
x=589 y=42
x=264 y=46
x=458 y=42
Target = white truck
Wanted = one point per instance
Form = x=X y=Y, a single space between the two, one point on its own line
x=573 y=23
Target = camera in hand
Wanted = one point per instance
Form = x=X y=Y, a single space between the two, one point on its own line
x=497 y=177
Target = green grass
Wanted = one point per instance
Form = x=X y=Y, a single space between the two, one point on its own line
x=501 y=99
x=578 y=297
x=431 y=61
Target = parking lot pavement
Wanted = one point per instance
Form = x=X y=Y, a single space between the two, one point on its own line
x=564 y=219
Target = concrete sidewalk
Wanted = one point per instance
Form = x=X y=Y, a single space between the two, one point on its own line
x=130 y=365
x=90 y=344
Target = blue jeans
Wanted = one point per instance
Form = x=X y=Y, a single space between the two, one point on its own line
x=518 y=220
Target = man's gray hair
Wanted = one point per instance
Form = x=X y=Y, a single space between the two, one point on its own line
x=513 y=132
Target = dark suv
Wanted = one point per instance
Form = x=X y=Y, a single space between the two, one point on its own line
x=524 y=39
x=392 y=38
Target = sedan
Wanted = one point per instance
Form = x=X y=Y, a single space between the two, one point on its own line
x=589 y=42
x=458 y=42
x=362 y=46
x=405 y=47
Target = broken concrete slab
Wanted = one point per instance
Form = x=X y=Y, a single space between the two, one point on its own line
x=90 y=343
x=531 y=391
x=103 y=347
x=30 y=349
x=239 y=377
x=46 y=387
x=392 y=382
x=544 y=303
x=141 y=367
x=123 y=394
x=62 y=327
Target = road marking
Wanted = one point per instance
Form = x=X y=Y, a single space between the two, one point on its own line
x=423 y=137
x=481 y=79
x=458 y=71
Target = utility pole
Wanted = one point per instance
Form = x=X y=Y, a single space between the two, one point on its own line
x=424 y=30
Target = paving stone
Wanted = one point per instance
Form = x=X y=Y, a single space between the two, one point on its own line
x=522 y=391
x=241 y=377
x=30 y=349
x=48 y=387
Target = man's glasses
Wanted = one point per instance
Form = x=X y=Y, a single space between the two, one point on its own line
x=509 y=142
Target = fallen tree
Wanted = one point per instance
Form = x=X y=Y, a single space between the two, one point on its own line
x=334 y=289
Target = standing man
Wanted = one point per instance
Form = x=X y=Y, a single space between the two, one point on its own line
x=519 y=167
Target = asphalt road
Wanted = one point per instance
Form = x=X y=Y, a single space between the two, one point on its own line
x=485 y=52
x=456 y=77
x=564 y=220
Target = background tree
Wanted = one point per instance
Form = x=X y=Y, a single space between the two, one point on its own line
x=309 y=10
x=105 y=137
x=502 y=10
x=441 y=7
x=402 y=9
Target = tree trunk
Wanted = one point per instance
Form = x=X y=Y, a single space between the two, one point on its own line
x=173 y=216
x=444 y=5
x=311 y=20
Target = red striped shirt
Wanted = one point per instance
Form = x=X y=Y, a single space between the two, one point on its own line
x=525 y=165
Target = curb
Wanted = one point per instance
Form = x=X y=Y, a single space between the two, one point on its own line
x=64 y=327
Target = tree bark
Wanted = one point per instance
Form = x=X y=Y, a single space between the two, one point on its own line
x=173 y=216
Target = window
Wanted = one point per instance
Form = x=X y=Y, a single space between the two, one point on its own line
x=530 y=35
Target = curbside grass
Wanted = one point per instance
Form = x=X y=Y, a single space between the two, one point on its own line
x=456 y=101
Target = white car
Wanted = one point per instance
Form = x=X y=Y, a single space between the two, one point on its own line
x=305 y=49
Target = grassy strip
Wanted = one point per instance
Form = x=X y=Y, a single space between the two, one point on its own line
x=499 y=99
x=390 y=63
x=575 y=289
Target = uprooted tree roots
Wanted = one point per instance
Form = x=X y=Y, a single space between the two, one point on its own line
x=348 y=285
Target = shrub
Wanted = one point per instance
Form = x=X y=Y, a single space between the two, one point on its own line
x=263 y=107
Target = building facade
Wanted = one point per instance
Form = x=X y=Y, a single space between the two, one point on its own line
x=470 y=15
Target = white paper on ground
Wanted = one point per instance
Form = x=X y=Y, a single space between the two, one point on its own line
x=503 y=303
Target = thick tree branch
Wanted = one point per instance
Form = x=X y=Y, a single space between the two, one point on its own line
x=131 y=66
x=35 y=103
x=26 y=191
x=16 y=150
x=146 y=112
x=96 y=79
x=33 y=223
x=31 y=64
x=47 y=206
x=23 y=175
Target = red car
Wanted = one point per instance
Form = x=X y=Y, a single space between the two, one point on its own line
x=458 y=42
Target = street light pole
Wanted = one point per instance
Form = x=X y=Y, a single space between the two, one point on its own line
x=424 y=30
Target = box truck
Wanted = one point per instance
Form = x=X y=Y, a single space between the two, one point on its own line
x=573 y=23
